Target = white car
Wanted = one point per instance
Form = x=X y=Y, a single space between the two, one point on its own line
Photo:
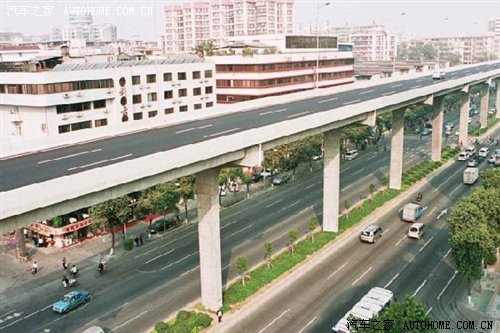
x=463 y=156
x=484 y=151
x=351 y=154
x=471 y=150
x=438 y=75
x=491 y=158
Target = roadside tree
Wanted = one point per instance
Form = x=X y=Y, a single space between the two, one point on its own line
x=313 y=225
x=268 y=252
x=292 y=236
x=242 y=265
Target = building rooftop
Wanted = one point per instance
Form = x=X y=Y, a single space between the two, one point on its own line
x=178 y=59
x=18 y=48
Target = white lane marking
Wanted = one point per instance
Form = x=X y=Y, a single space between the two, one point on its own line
x=185 y=130
x=426 y=243
x=429 y=311
x=419 y=287
x=107 y=313
x=177 y=239
x=415 y=87
x=272 y=204
x=298 y=114
x=69 y=156
x=241 y=230
x=456 y=189
x=399 y=241
x=359 y=171
x=447 y=285
x=396 y=85
x=327 y=100
x=269 y=112
x=223 y=132
x=205 y=126
x=337 y=270
x=385 y=231
x=120 y=157
x=351 y=102
x=392 y=280
x=419 y=80
x=312 y=185
x=275 y=238
x=309 y=323
x=147 y=252
x=447 y=179
x=128 y=321
x=225 y=267
x=345 y=188
x=274 y=320
x=159 y=256
x=178 y=261
x=432 y=211
x=388 y=93
x=191 y=270
x=88 y=165
x=5 y=314
x=293 y=204
x=447 y=253
x=33 y=313
x=230 y=223
x=362 y=275
x=366 y=92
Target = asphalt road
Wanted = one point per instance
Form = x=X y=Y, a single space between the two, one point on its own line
x=148 y=283
x=422 y=268
x=43 y=166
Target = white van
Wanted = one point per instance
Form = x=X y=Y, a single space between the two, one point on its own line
x=471 y=150
x=366 y=306
x=416 y=231
x=463 y=156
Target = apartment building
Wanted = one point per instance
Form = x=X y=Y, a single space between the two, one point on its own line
x=370 y=43
x=78 y=97
x=257 y=70
x=191 y=23
x=494 y=28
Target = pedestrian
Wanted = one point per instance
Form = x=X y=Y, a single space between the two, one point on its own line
x=64 y=264
x=40 y=241
x=136 y=240
x=420 y=136
x=34 y=268
x=141 y=240
x=219 y=315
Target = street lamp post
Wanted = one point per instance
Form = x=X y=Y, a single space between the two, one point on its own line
x=318 y=7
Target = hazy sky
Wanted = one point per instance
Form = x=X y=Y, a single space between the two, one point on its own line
x=145 y=17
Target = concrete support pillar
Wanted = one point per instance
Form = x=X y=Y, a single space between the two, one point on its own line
x=497 y=97
x=207 y=190
x=437 y=128
x=396 y=167
x=483 y=108
x=463 y=123
x=331 y=180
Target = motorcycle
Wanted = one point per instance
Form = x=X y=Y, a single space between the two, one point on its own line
x=419 y=197
x=69 y=283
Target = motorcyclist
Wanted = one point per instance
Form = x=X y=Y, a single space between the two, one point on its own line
x=34 y=268
x=65 y=281
x=420 y=196
x=73 y=270
x=100 y=267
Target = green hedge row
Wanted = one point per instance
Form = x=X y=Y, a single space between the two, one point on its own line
x=184 y=322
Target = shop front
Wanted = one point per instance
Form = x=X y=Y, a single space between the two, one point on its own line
x=44 y=235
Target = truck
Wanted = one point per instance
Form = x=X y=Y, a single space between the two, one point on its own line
x=412 y=211
x=471 y=175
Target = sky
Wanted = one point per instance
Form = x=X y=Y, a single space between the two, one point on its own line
x=144 y=18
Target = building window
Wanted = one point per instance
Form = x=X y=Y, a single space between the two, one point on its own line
x=197 y=106
x=99 y=104
x=209 y=90
x=209 y=104
x=152 y=114
x=151 y=78
x=136 y=99
x=196 y=91
x=167 y=77
x=183 y=108
x=152 y=97
x=136 y=79
x=167 y=94
x=138 y=116
x=64 y=129
x=169 y=110
x=208 y=74
x=76 y=107
x=100 y=122
x=183 y=92
x=181 y=76
x=196 y=75
x=82 y=125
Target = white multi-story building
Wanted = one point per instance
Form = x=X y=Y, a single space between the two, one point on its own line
x=257 y=70
x=189 y=24
x=77 y=97
x=370 y=43
x=494 y=28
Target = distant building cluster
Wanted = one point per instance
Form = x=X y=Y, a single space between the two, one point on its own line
x=82 y=27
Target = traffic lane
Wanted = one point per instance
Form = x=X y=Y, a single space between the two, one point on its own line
x=145 y=142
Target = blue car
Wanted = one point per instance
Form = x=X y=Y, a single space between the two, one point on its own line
x=71 y=300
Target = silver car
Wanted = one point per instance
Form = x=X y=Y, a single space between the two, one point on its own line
x=371 y=233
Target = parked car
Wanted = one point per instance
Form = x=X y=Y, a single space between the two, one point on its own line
x=317 y=157
x=280 y=178
x=438 y=75
x=472 y=162
x=426 y=131
x=351 y=154
x=257 y=177
x=71 y=300
x=371 y=233
x=484 y=151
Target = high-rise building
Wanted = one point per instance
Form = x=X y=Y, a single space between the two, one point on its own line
x=370 y=43
x=189 y=24
x=494 y=28
x=82 y=27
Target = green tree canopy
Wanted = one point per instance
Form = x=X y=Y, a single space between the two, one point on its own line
x=111 y=213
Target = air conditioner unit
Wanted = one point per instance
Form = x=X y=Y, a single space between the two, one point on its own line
x=148 y=87
x=110 y=91
x=142 y=106
x=65 y=117
x=79 y=94
x=106 y=111
x=79 y=115
x=66 y=96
